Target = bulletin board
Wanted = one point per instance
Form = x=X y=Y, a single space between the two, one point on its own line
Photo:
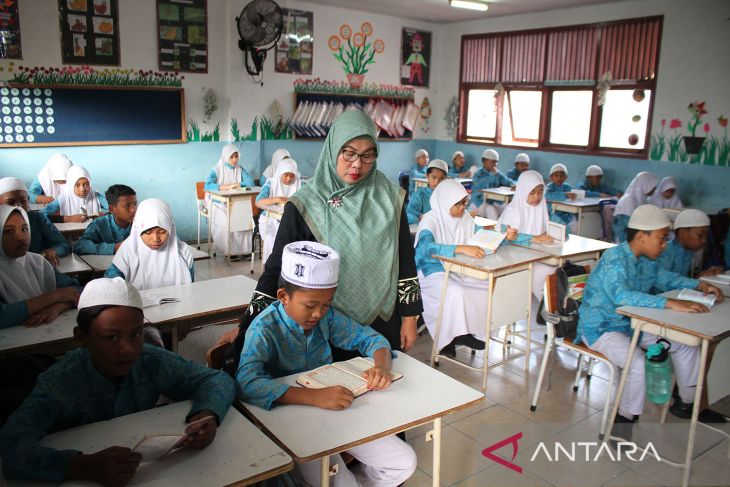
x=182 y=35
x=89 y=32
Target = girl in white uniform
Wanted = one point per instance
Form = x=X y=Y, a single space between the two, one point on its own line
x=78 y=201
x=278 y=156
x=666 y=195
x=277 y=191
x=51 y=178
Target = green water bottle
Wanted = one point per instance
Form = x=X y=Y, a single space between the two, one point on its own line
x=658 y=370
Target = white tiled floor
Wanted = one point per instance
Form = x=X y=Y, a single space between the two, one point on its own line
x=562 y=416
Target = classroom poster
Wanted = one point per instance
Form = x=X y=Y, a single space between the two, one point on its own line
x=294 y=51
x=89 y=31
x=182 y=35
x=9 y=30
x=415 y=57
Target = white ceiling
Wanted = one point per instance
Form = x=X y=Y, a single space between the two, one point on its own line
x=439 y=11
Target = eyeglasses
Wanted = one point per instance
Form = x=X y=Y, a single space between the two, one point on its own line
x=366 y=159
x=464 y=202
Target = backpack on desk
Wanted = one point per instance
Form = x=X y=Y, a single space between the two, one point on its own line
x=559 y=305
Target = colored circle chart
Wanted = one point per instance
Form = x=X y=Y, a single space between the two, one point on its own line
x=16 y=128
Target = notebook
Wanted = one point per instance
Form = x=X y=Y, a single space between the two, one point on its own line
x=557 y=231
x=697 y=296
x=153 y=299
x=347 y=374
x=489 y=240
x=156 y=447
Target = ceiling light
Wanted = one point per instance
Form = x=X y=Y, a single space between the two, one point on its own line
x=470 y=4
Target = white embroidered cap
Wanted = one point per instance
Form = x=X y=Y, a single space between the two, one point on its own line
x=649 y=217
x=558 y=167
x=490 y=154
x=310 y=265
x=421 y=152
x=11 y=184
x=594 y=170
x=692 y=218
x=522 y=157
x=438 y=164
x=456 y=154
x=105 y=291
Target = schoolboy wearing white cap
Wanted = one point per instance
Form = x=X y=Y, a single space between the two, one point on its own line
x=691 y=229
x=624 y=276
x=522 y=164
x=593 y=184
x=558 y=190
x=293 y=335
x=418 y=170
x=104 y=379
x=419 y=204
x=488 y=176
x=458 y=167
x=45 y=238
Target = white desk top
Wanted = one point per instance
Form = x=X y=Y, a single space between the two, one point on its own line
x=72 y=227
x=17 y=338
x=274 y=208
x=71 y=264
x=100 y=263
x=500 y=190
x=505 y=257
x=36 y=206
x=422 y=395
x=239 y=453
x=236 y=192
x=713 y=326
x=582 y=203
x=575 y=245
x=723 y=287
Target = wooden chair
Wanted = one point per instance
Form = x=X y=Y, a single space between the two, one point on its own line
x=552 y=342
x=201 y=206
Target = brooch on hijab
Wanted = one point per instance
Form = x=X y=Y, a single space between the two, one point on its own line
x=335 y=202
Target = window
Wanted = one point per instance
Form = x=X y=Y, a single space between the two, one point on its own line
x=541 y=88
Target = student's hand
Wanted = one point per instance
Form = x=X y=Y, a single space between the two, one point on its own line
x=335 y=398
x=51 y=256
x=75 y=219
x=117 y=245
x=686 y=306
x=43 y=199
x=470 y=250
x=38 y=319
x=511 y=233
x=513 y=187
x=113 y=466
x=712 y=271
x=201 y=434
x=708 y=288
x=67 y=295
x=606 y=195
x=473 y=212
x=408 y=332
x=571 y=196
x=619 y=195
x=282 y=199
x=544 y=238
x=378 y=378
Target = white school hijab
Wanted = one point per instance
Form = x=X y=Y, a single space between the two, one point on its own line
x=636 y=193
x=658 y=199
x=278 y=156
x=146 y=268
x=445 y=228
x=521 y=215
x=278 y=189
x=26 y=277
x=69 y=203
x=54 y=170
x=223 y=171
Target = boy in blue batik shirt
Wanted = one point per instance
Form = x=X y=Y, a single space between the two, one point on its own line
x=559 y=190
x=458 y=167
x=593 y=184
x=691 y=228
x=418 y=170
x=522 y=164
x=488 y=176
x=105 y=235
x=419 y=204
x=293 y=335
x=624 y=277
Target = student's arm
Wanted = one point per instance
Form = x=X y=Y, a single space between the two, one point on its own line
x=246 y=180
x=13 y=314
x=620 y=222
x=212 y=183
x=415 y=207
x=552 y=193
x=92 y=241
x=668 y=280
x=505 y=181
x=53 y=239
x=113 y=271
x=51 y=209
x=427 y=247
x=616 y=286
x=256 y=385
x=35 y=190
x=518 y=239
x=66 y=296
x=348 y=334
x=263 y=199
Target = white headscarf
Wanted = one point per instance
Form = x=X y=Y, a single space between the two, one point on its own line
x=223 y=171
x=11 y=184
x=658 y=199
x=445 y=228
x=635 y=195
x=146 y=268
x=54 y=170
x=26 y=277
x=69 y=203
x=277 y=188
x=521 y=215
x=278 y=156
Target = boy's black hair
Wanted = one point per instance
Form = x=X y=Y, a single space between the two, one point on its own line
x=428 y=171
x=86 y=316
x=631 y=233
x=116 y=191
x=289 y=288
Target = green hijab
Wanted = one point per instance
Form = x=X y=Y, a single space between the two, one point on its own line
x=360 y=221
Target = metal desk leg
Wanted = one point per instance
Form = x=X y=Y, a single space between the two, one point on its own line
x=436 y=473
x=210 y=222
x=228 y=232
x=488 y=331
x=622 y=382
x=695 y=413
x=434 y=348
x=528 y=342
x=324 y=476
x=580 y=217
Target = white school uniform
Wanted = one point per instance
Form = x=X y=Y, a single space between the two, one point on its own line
x=465 y=303
x=269 y=225
x=55 y=170
x=240 y=242
x=657 y=199
x=70 y=204
x=278 y=156
x=636 y=193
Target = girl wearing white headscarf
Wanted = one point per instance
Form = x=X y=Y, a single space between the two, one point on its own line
x=446 y=230
x=526 y=221
x=31 y=291
x=276 y=191
x=666 y=195
x=228 y=174
x=78 y=201
x=51 y=179
x=637 y=194
x=146 y=267
x=278 y=156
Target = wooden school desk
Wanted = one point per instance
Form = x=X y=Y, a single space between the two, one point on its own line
x=72 y=264
x=239 y=212
x=502 y=193
x=575 y=248
x=422 y=396
x=239 y=455
x=101 y=262
x=581 y=208
x=509 y=274
x=694 y=329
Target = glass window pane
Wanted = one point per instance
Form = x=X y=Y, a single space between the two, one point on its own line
x=521 y=124
x=624 y=119
x=481 y=119
x=570 y=117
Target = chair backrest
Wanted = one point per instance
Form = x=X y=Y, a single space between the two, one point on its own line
x=216 y=356
x=255 y=210
x=200 y=190
x=552 y=290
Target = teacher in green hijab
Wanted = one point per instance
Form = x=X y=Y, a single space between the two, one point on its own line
x=352 y=207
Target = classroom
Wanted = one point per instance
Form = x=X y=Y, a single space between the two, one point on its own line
x=515 y=210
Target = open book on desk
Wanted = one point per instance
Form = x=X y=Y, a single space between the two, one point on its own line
x=347 y=374
x=156 y=447
x=697 y=297
x=154 y=299
x=489 y=240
